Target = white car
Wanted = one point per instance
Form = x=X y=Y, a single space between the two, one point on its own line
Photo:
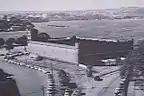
x=28 y=65
x=76 y=93
x=15 y=62
x=40 y=69
x=21 y=63
x=123 y=80
x=32 y=67
x=121 y=83
x=9 y=61
x=66 y=94
x=44 y=71
x=18 y=63
x=36 y=68
x=12 y=61
x=6 y=60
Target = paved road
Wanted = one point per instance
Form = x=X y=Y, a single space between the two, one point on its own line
x=111 y=88
x=102 y=88
x=28 y=80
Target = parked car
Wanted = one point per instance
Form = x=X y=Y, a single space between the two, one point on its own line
x=97 y=78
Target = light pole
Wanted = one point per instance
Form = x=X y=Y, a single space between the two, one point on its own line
x=43 y=90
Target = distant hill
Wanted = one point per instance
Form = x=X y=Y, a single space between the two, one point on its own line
x=110 y=14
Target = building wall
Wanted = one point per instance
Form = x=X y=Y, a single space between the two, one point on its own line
x=91 y=52
x=55 y=51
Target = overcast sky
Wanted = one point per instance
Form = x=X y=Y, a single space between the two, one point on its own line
x=39 y=5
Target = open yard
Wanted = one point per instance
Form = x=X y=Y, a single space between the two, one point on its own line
x=117 y=29
x=7 y=35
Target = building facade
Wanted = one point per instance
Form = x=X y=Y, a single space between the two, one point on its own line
x=80 y=50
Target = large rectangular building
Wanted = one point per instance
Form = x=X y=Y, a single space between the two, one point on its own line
x=78 y=50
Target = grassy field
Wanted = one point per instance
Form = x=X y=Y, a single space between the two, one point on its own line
x=117 y=29
x=7 y=35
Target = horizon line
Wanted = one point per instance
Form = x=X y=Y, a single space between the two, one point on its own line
x=70 y=10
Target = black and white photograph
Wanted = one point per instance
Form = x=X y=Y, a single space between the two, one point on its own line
x=71 y=47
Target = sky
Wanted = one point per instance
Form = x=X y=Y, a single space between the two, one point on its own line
x=57 y=5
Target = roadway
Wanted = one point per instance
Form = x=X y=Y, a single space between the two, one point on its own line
x=110 y=89
x=29 y=81
x=102 y=88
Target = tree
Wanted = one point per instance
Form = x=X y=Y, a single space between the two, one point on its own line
x=2 y=41
x=9 y=42
x=4 y=25
x=28 y=25
x=34 y=34
x=43 y=36
x=63 y=77
x=23 y=41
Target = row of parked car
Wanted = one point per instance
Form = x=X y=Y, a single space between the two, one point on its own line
x=14 y=54
x=119 y=91
x=51 y=89
x=70 y=92
x=13 y=61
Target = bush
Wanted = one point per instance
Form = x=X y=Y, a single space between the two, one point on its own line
x=22 y=40
x=43 y=37
x=2 y=41
x=10 y=41
x=63 y=78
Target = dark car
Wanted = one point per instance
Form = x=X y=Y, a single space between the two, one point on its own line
x=97 y=78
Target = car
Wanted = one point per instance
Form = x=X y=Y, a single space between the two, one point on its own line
x=20 y=54
x=6 y=60
x=40 y=69
x=118 y=91
x=122 y=83
x=32 y=67
x=66 y=94
x=12 y=62
x=97 y=78
x=18 y=63
x=51 y=89
x=76 y=93
x=50 y=92
x=9 y=61
x=119 y=94
x=50 y=80
x=28 y=65
x=51 y=84
x=44 y=71
x=123 y=80
x=2 y=54
x=35 y=67
x=26 y=53
x=8 y=53
x=50 y=75
x=5 y=57
x=21 y=63
x=15 y=62
x=39 y=58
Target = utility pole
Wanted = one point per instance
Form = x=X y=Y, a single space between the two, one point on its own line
x=43 y=91
x=52 y=69
x=44 y=60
